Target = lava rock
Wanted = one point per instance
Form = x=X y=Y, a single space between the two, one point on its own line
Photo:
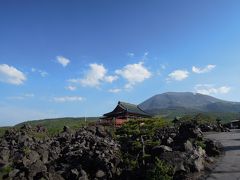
x=100 y=174
x=213 y=148
x=157 y=150
x=198 y=164
x=188 y=146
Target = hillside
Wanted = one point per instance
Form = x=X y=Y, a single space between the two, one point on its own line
x=180 y=103
x=69 y=121
x=54 y=126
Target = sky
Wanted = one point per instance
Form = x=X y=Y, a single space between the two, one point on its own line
x=76 y=58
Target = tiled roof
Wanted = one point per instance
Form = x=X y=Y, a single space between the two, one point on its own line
x=131 y=108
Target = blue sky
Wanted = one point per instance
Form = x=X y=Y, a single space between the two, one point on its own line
x=78 y=58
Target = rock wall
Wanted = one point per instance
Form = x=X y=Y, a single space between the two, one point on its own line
x=88 y=153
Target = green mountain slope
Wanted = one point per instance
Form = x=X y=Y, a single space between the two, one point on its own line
x=172 y=104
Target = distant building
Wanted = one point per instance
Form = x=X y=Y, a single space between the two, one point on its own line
x=122 y=113
x=234 y=124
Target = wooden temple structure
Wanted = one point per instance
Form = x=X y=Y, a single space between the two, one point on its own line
x=122 y=112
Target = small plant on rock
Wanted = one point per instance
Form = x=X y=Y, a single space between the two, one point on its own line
x=161 y=171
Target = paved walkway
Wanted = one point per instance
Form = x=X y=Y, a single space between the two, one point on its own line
x=228 y=167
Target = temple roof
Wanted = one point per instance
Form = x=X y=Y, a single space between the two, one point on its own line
x=124 y=107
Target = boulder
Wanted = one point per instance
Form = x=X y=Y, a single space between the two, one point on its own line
x=180 y=175
x=157 y=150
x=66 y=129
x=101 y=132
x=92 y=129
x=55 y=176
x=13 y=173
x=213 y=148
x=198 y=164
x=189 y=130
x=200 y=152
x=169 y=141
x=179 y=167
x=25 y=162
x=33 y=157
x=100 y=174
x=4 y=154
x=206 y=127
x=175 y=158
x=3 y=143
x=188 y=147
x=2 y=163
x=36 y=168
x=83 y=175
x=74 y=173
x=44 y=157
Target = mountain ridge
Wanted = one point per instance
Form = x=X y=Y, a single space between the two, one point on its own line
x=187 y=102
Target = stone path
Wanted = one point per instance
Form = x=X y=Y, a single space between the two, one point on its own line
x=228 y=167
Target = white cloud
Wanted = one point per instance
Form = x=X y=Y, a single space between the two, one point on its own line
x=16 y=97
x=74 y=80
x=130 y=54
x=163 y=66
x=145 y=54
x=134 y=73
x=209 y=89
x=11 y=75
x=68 y=99
x=206 y=69
x=116 y=90
x=22 y=97
x=110 y=79
x=41 y=72
x=178 y=75
x=29 y=95
x=96 y=75
x=161 y=69
x=71 y=88
x=63 y=61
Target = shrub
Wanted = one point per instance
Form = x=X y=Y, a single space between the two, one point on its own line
x=137 y=138
x=201 y=144
x=160 y=171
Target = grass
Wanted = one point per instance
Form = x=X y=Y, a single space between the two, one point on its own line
x=207 y=116
x=2 y=130
x=5 y=170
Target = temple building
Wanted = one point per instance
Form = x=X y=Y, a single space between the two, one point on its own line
x=122 y=112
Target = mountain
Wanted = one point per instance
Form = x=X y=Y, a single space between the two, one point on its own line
x=187 y=102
